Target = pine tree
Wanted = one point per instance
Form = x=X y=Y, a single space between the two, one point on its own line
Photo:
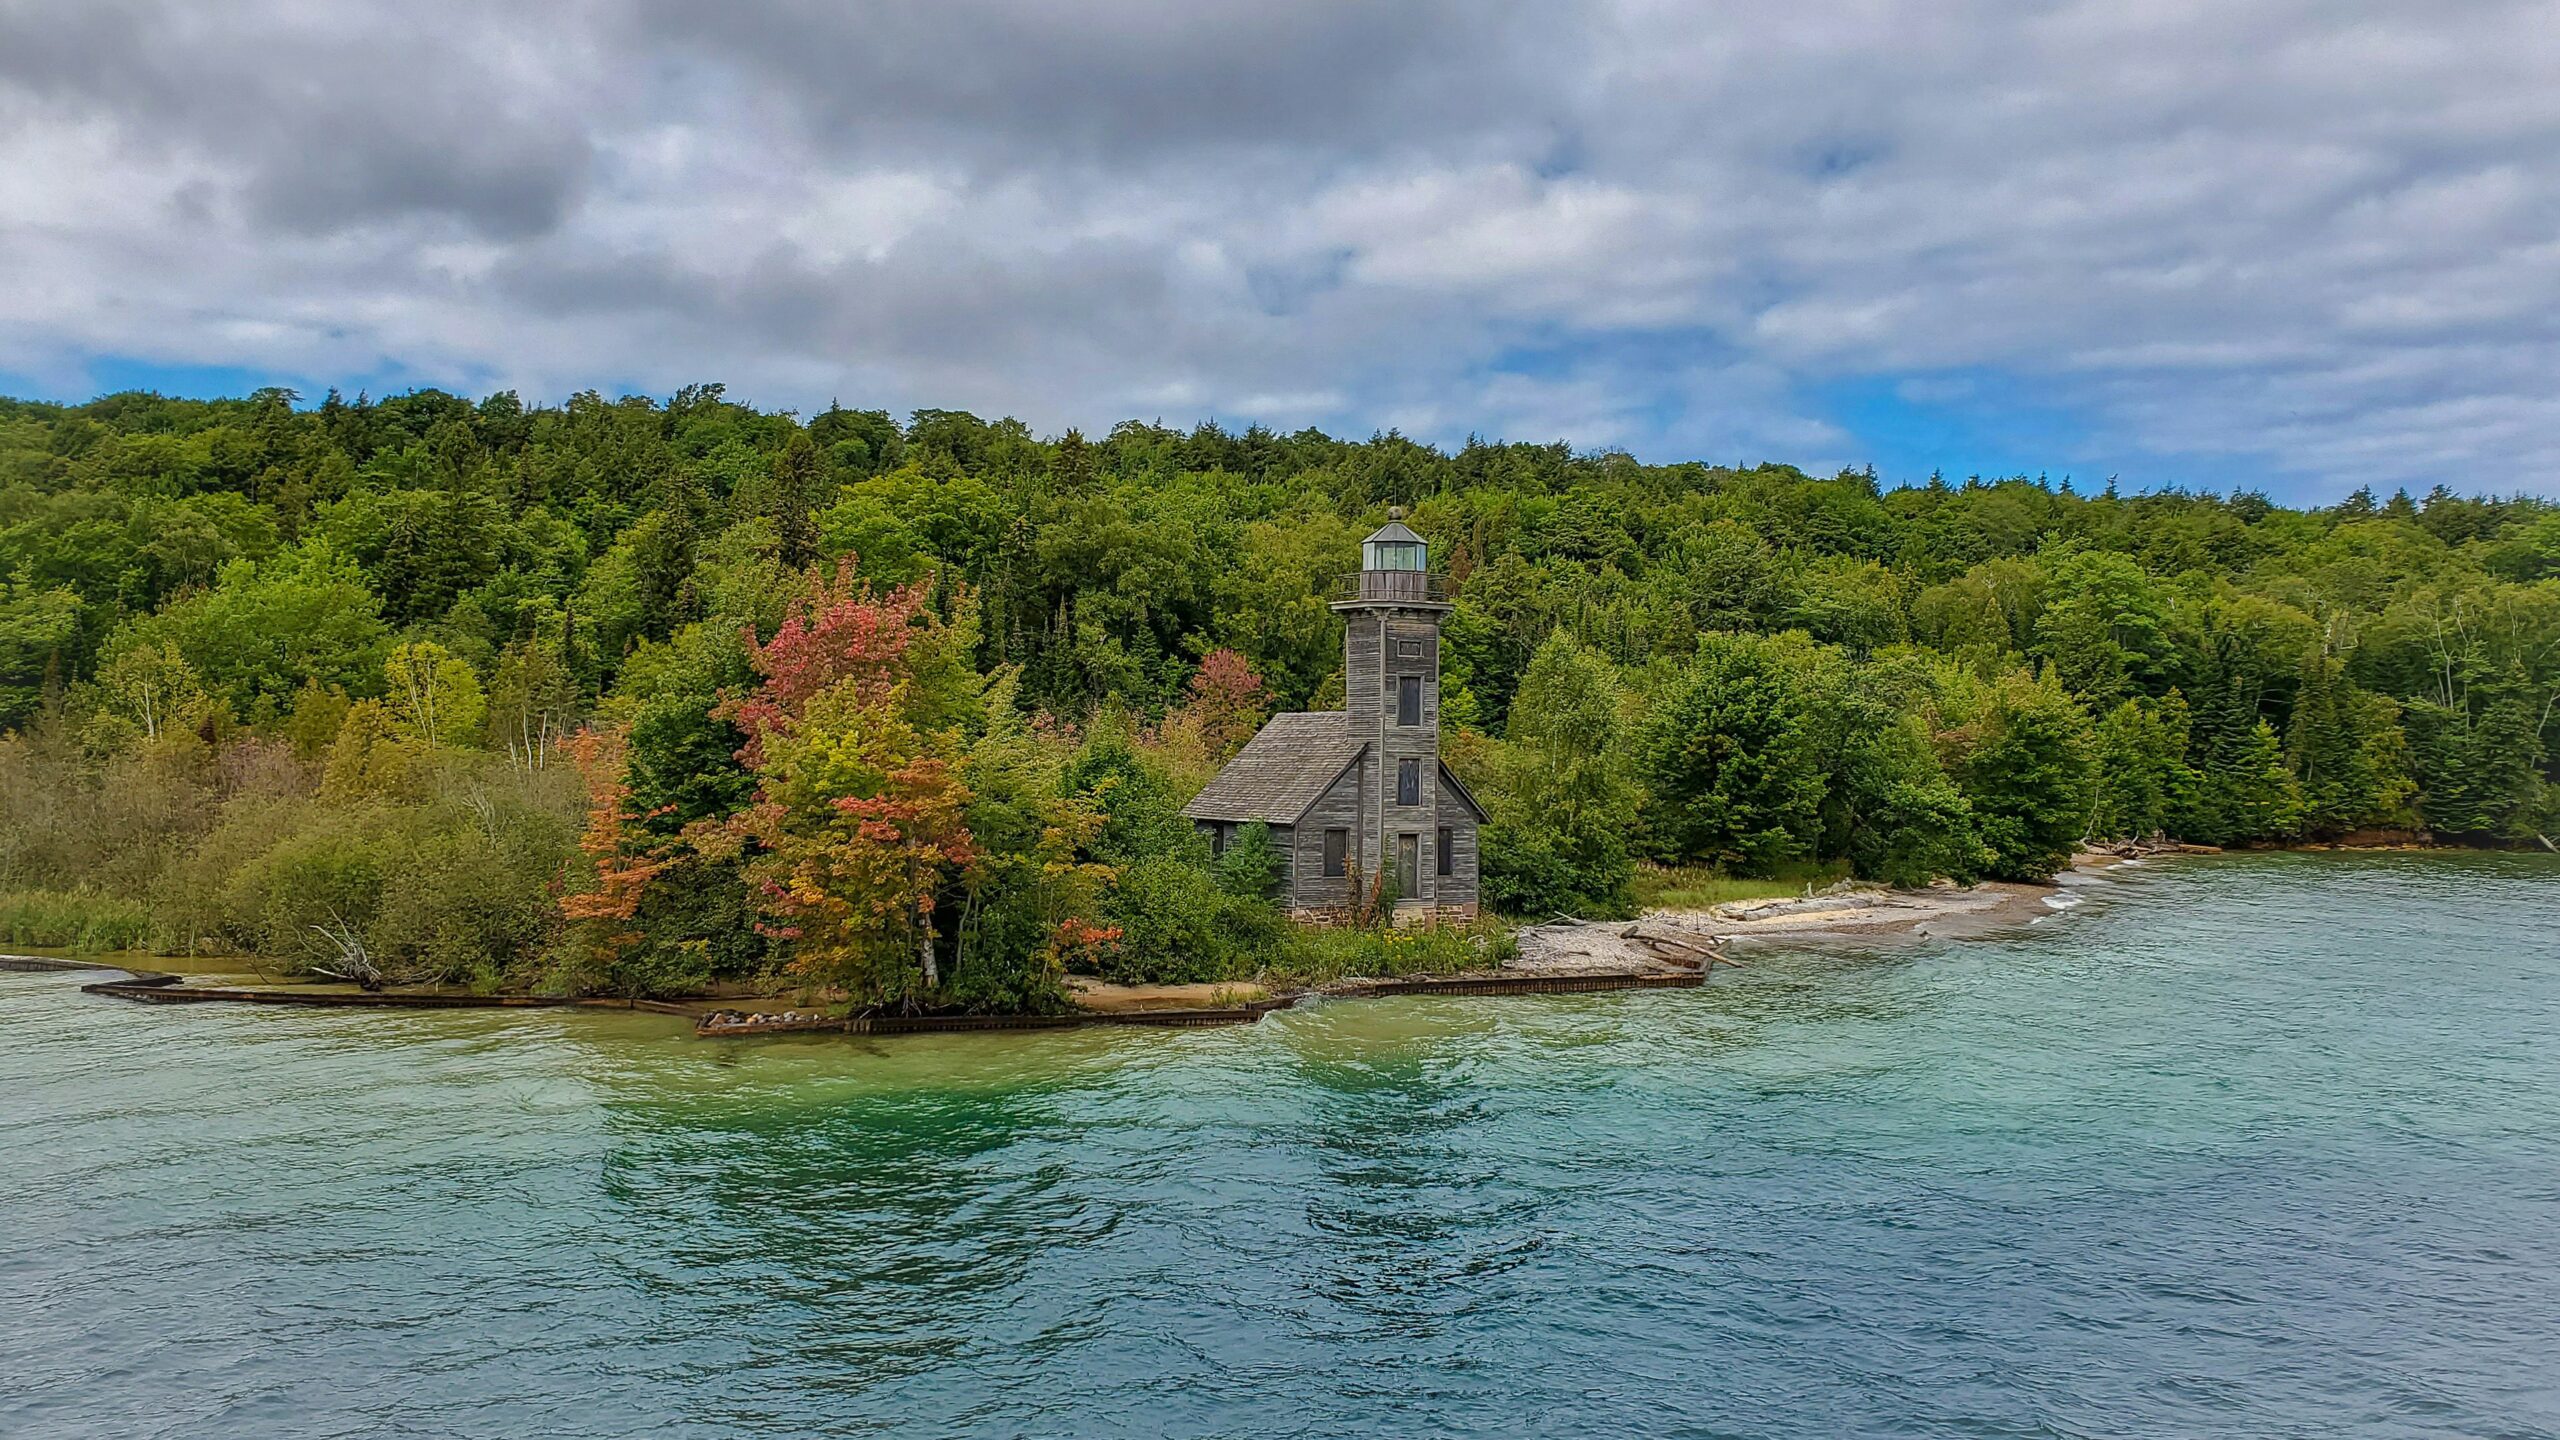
x=1728 y=763
x=2482 y=778
x=1072 y=469
x=797 y=477
x=2346 y=753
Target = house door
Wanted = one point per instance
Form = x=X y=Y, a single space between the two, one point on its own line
x=1409 y=866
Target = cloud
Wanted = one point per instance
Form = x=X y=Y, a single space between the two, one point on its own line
x=317 y=120
x=1009 y=85
x=2303 y=244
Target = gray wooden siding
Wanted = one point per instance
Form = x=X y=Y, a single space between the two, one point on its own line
x=1374 y=660
x=1418 y=743
x=1338 y=808
x=1461 y=885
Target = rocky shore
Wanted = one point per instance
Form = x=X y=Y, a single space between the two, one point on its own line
x=1851 y=909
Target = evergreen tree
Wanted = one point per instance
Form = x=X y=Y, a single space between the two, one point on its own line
x=2345 y=749
x=1730 y=772
x=2481 y=778
x=797 y=480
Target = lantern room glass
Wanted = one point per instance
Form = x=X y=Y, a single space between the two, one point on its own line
x=1392 y=555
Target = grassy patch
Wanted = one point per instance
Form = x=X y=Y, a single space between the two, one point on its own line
x=79 y=921
x=1699 y=887
x=1311 y=955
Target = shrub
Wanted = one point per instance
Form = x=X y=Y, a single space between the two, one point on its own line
x=81 y=922
x=1527 y=874
x=1310 y=955
x=458 y=909
x=1178 y=925
x=330 y=875
x=453 y=891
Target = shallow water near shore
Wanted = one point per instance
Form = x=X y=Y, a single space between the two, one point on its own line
x=2260 y=1145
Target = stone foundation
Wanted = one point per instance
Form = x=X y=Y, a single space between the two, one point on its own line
x=1406 y=914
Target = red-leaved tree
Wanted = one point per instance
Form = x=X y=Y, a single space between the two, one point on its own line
x=840 y=633
x=860 y=820
x=1227 y=701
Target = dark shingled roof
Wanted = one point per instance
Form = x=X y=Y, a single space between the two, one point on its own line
x=1282 y=770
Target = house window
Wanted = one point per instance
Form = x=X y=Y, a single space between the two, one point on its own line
x=1440 y=850
x=1337 y=854
x=1408 y=699
x=1219 y=835
x=1408 y=782
x=1408 y=865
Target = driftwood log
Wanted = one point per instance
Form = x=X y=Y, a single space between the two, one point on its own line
x=1687 y=951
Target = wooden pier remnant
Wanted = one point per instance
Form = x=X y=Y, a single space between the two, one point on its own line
x=1679 y=964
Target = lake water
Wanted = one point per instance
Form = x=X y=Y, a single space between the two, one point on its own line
x=2263 y=1146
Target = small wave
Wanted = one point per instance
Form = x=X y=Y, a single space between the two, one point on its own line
x=2064 y=901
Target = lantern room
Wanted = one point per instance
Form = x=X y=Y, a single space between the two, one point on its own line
x=1393 y=548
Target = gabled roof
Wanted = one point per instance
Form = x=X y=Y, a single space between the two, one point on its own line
x=1449 y=778
x=1281 y=771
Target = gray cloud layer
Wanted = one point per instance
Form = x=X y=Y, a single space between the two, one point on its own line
x=2317 y=239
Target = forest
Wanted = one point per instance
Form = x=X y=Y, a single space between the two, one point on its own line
x=633 y=697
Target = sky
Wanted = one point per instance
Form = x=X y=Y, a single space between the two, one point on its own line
x=2292 y=245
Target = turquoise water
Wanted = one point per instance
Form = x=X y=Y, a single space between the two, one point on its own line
x=2264 y=1146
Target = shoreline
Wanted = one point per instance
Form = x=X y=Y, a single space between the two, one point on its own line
x=1865 y=911
x=1658 y=949
x=1850 y=911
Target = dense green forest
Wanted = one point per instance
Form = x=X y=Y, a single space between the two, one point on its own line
x=630 y=696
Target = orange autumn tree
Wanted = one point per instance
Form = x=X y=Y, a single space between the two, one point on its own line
x=623 y=860
x=860 y=822
x=838 y=634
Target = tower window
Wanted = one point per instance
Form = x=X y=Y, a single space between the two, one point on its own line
x=1408 y=782
x=1408 y=649
x=1408 y=699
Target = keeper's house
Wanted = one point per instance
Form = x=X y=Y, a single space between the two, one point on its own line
x=1357 y=798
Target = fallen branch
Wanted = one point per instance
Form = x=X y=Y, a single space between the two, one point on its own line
x=354 y=963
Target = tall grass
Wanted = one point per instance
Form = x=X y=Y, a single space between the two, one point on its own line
x=1313 y=955
x=1701 y=887
x=84 y=922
